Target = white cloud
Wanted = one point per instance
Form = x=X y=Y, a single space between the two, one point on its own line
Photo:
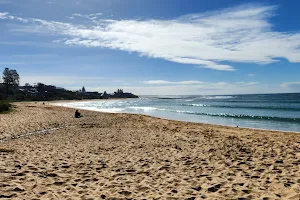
x=48 y=44
x=206 y=88
x=155 y=87
x=198 y=83
x=290 y=84
x=156 y=82
x=196 y=87
x=160 y=82
x=92 y=16
x=252 y=83
x=3 y=15
x=241 y=34
x=219 y=67
x=251 y=75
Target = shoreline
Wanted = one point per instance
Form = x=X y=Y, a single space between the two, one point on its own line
x=53 y=103
x=171 y=119
x=122 y=156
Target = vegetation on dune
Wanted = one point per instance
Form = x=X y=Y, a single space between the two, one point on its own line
x=4 y=106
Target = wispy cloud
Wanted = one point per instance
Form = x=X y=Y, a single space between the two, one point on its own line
x=160 y=82
x=3 y=15
x=291 y=85
x=241 y=34
x=48 y=44
x=159 y=87
x=93 y=16
x=199 y=83
x=198 y=87
x=251 y=83
x=180 y=88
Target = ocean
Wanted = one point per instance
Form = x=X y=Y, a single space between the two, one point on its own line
x=260 y=111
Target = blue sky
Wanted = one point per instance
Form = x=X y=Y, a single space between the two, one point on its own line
x=154 y=46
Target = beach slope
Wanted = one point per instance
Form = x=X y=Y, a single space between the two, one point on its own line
x=126 y=156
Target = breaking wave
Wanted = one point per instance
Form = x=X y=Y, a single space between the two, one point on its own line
x=244 y=107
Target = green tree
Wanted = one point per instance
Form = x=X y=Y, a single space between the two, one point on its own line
x=10 y=78
x=41 y=88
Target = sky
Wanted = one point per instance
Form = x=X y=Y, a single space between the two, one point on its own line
x=154 y=47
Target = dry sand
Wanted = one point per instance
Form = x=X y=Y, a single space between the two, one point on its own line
x=123 y=156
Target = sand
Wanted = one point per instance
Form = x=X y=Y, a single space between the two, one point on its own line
x=125 y=156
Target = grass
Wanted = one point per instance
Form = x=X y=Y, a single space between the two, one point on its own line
x=5 y=106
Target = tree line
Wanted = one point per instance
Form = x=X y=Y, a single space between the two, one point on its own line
x=10 y=89
x=11 y=81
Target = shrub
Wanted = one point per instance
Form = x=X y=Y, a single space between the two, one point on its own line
x=4 y=106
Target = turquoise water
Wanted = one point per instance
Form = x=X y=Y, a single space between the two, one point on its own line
x=263 y=111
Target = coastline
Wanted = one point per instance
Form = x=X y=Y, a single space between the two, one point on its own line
x=86 y=100
x=105 y=155
x=241 y=127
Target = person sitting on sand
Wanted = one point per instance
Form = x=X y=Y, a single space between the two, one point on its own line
x=77 y=114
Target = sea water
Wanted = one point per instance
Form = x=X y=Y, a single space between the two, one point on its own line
x=263 y=111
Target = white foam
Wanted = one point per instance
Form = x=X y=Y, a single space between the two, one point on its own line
x=107 y=110
x=82 y=106
x=146 y=109
x=217 y=97
x=197 y=105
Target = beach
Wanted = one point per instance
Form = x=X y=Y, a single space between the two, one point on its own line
x=259 y=111
x=130 y=156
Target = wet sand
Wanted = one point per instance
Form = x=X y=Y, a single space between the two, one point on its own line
x=126 y=156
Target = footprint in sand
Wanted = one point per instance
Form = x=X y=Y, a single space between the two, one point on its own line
x=52 y=175
x=126 y=193
x=214 y=188
x=7 y=196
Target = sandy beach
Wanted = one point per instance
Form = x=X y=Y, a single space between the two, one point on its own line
x=126 y=156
